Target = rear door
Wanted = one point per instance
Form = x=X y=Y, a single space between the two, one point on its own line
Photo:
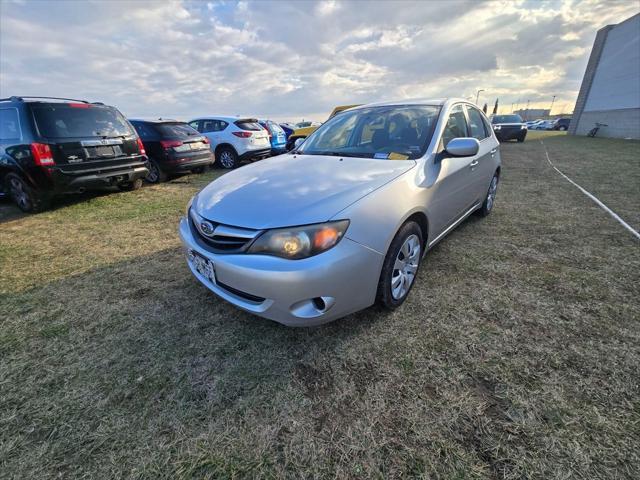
x=85 y=136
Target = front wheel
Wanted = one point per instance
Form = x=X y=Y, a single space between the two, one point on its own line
x=400 y=266
x=227 y=158
x=156 y=174
x=490 y=199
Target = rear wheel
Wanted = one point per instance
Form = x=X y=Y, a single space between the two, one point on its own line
x=490 y=199
x=227 y=158
x=155 y=175
x=400 y=266
x=130 y=186
x=25 y=197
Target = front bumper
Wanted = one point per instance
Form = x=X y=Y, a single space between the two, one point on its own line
x=346 y=277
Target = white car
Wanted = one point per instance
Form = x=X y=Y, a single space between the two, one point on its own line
x=234 y=139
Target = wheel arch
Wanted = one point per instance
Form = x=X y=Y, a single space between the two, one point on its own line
x=220 y=146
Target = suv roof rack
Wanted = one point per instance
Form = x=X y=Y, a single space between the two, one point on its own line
x=21 y=99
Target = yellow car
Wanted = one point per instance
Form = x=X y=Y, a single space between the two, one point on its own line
x=306 y=131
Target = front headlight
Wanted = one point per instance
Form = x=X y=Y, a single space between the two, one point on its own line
x=497 y=127
x=523 y=127
x=300 y=242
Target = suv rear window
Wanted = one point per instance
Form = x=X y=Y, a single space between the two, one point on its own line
x=63 y=120
x=506 y=119
x=248 y=124
x=175 y=130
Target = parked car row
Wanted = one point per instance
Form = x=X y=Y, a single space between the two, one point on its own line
x=558 y=124
x=52 y=146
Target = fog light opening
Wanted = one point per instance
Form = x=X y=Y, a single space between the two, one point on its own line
x=319 y=303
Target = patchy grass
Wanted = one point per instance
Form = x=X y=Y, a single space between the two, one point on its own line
x=515 y=356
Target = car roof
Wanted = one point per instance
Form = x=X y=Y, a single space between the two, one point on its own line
x=415 y=101
x=155 y=120
x=226 y=118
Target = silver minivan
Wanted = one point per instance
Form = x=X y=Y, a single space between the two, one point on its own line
x=344 y=220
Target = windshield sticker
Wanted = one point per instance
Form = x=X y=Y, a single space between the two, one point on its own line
x=397 y=156
x=381 y=155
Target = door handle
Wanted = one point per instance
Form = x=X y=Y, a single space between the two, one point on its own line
x=493 y=152
x=474 y=164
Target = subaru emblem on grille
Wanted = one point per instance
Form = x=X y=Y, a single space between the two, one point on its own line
x=206 y=228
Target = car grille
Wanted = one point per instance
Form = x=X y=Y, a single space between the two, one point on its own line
x=224 y=238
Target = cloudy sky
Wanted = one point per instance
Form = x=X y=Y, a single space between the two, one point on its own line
x=294 y=59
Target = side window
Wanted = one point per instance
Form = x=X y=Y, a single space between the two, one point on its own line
x=143 y=130
x=213 y=126
x=456 y=125
x=9 y=125
x=195 y=124
x=476 y=125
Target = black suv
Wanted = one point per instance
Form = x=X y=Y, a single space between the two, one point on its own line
x=50 y=146
x=173 y=147
x=561 y=124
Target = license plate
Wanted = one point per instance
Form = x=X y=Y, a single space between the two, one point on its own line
x=198 y=146
x=203 y=266
x=104 y=151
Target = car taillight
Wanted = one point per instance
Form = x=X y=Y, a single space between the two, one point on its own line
x=41 y=153
x=242 y=134
x=79 y=105
x=167 y=144
x=206 y=140
x=141 y=147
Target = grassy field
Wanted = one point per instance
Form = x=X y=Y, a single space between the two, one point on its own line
x=516 y=355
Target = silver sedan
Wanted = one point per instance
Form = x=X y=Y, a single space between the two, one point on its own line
x=344 y=220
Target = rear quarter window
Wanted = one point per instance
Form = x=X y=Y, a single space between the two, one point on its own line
x=9 y=125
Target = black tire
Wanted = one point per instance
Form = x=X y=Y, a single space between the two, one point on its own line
x=563 y=129
x=131 y=186
x=521 y=139
x=198 y=170
x=24 y=196
x=487 y=205
x=385 y=296
x=156 y=174
x=592 y=132
x=227 y=158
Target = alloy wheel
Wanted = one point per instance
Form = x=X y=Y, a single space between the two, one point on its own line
x=405 y=267
x=18 y=193
x=491 y=194
x=154 y=174
x=226 y=159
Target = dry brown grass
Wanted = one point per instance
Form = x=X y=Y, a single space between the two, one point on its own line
x=515 y=357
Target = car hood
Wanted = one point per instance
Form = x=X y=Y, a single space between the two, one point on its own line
x=293 y=190
x=509 y=124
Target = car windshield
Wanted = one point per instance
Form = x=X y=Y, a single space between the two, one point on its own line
x=506 y=119
x=64 y=120
x=387 y=132
x=176 y=130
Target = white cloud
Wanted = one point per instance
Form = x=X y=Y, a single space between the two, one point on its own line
x=293 y=59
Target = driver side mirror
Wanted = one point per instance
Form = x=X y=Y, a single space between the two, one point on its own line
x=463 y=147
